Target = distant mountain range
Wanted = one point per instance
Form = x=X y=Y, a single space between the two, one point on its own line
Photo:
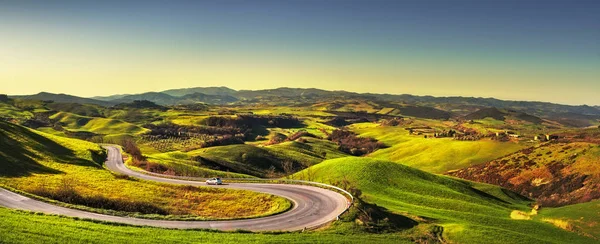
x=64 y=98
x=444 y=107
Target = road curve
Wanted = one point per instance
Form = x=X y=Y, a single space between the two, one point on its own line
x=313 y=206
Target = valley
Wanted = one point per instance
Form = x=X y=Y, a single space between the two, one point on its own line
x=421 y=169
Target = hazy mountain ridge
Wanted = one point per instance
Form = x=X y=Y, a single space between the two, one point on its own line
x=502 y=115
x=444 y=107
x=64 y=98
x=221 y=91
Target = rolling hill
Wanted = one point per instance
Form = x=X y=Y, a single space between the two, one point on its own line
x=69 y=172
x=96 y=125
x=465 y=212
x=433 y=107
x=165 y=99
x=269 y=161
x=64 y=98
x=436 y=155
x=220 y=91
x=502 y=115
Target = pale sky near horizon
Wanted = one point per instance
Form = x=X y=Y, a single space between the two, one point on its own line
x=515 y=50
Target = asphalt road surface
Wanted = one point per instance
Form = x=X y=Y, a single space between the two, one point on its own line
x=312 y=207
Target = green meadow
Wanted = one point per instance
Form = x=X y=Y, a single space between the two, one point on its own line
x=96 y=125
x=468 y=212
x=436 y=155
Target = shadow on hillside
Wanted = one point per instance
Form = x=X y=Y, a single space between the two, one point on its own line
x=511 y=194
x=15 y=160
x=487 y=195
x=379 y=219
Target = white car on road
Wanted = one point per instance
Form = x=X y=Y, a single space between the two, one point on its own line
x=214 y=181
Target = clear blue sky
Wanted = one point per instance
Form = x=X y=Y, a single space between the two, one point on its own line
x=519 y=50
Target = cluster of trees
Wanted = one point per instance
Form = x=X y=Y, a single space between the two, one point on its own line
x=222 y=141
x=170 y=129
x=299 y=134
x=40 y=120
x=394 y=122
x=4 y=98
x=130 y=147
x=350 y=143
x=337 y=122
x=276 y=138
x=139 y=160
x=250 y=121
x=445 y=133
x=139 y=104
x=467 y=134
x=191 y=107
x=169 y=135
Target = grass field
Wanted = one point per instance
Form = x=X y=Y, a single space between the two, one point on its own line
x=9 y=111
x=436 y=155
x=582 y=218
x=71 y=170
x=469 y=212
x=22 y=227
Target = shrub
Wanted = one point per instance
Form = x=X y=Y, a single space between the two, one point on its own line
x=350 y=143
x=299 y=134
x=129 y=146
x=250 y=121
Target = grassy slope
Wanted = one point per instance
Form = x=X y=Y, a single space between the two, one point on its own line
x=469 y=212
x=436 y=155
x=96 y=125
x=31 y=161
x=583 y=218
x=20 y=227
x=9 y=111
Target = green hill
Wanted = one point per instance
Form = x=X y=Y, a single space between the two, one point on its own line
x=582 y=218
x=436 y=155
x=502 y=115
x=22 y=149
x=270 y=161
x=8 y=111
x=103 y=126
x=79 y=109
x=69 y=172
x=468 y=212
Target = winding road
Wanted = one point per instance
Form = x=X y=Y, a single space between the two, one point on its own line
x=312 y=206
